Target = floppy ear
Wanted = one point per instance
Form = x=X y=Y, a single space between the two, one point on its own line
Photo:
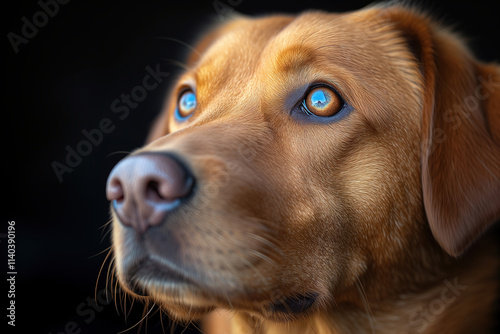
x=460 y=133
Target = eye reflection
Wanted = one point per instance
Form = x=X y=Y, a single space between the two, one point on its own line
x=186 y=105
x=322 y=101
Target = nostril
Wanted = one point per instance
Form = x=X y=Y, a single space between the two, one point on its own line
x=166 y=180
x=114 y=190
x=144 y=188
x=153 y=192
x=164 y=190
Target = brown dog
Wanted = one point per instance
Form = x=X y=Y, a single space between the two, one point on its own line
x=320 y=173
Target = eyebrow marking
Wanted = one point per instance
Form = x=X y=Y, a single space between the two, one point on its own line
x=294 y=58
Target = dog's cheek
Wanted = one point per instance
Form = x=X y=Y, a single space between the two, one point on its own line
x=369 y=187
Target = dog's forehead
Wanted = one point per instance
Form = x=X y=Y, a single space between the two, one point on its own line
x=257 y=60
x=236 y=52
x=288 y=42
x=249 y=41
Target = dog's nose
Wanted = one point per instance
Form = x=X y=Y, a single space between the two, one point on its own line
x=145 y=187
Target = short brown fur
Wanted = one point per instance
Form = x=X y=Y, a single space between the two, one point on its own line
x=379 y=214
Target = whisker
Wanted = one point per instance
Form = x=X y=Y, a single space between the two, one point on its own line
x=107 y=249
x=100 y=270
x=311 y=326
x=139 y=322
x=190 y=322
x=199 y=329
x=260 y=255
x=264 y=241
x=106 y=234
x=106 y=224
x=132 y=302
x=190 y=47
x=111 y=265
x=110 y=274
x=177 y=63
x=144 y=321
x=118 y=152
x=116 y=302
x=226 y=296
x=161 y=322
x=251 y=266
x=365 y=304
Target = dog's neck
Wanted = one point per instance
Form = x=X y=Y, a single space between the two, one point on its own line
x=462 y=302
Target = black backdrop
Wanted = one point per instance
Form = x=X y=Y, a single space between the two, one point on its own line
x=59 y=84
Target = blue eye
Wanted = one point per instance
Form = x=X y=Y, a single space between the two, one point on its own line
x=186 y=106
x=323 y=102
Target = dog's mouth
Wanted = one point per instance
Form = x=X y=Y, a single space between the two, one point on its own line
x=187 y=297
x=294 y=305
x=145 y=276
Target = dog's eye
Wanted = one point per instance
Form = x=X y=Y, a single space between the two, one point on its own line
x=322 y=101
x=186 y=105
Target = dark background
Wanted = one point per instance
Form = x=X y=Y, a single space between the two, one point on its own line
x=62 y=82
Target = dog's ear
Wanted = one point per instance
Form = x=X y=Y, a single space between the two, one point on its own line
x=460 y=132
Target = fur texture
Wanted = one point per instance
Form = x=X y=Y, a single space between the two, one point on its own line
x=365 y=224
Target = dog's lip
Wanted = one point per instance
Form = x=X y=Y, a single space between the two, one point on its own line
x=151 y=278
x=154 y=277
x=151 y=269
x=294 y=305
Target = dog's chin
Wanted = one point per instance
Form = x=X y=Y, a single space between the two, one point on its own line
x=287 y=310
x=186 y=313
x=187 y=297
x=182 y=301
x=186 y=302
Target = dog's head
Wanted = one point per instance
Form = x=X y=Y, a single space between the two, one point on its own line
x=300 y=155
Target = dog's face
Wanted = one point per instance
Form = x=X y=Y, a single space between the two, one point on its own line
x=302 y=140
